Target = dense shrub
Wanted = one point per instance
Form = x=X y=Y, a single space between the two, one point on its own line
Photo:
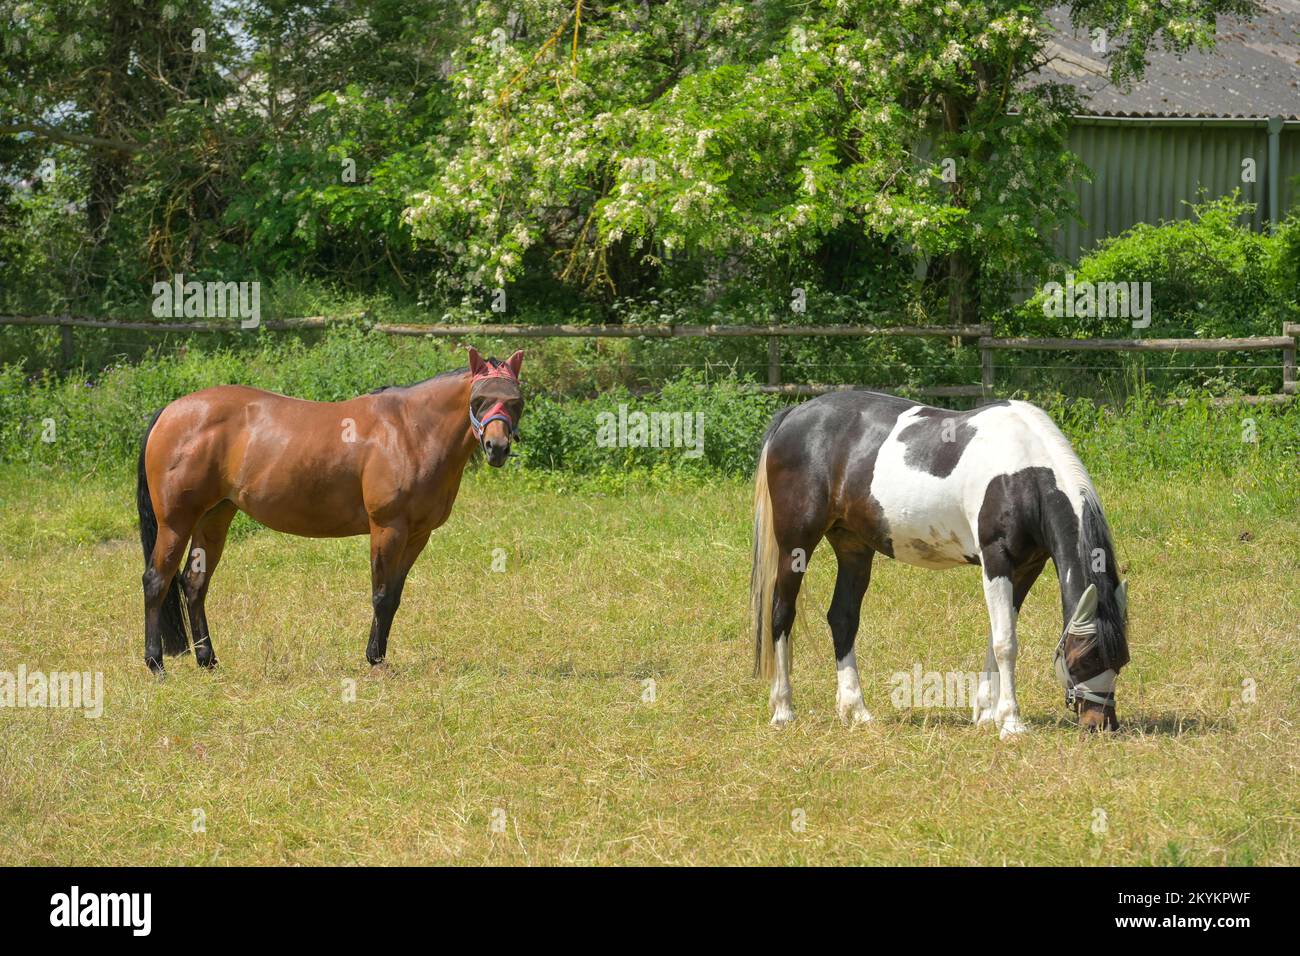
x=99 y=421
x=1211 y=275
x=563 y=434
x=96 y=424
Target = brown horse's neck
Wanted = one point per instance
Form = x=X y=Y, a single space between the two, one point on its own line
x=437 y=413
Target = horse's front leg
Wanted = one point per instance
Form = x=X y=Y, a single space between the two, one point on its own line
x=986 y=697
x=988 y=700
x=999 y=595
x=392 y=552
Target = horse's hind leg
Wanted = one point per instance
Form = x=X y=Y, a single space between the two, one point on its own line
x=785 y=599
x=791 y=566
x=206 y=546
x=164 y=627
x=851 y=584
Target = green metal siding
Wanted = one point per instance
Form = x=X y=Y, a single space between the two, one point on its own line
x=1147 y=171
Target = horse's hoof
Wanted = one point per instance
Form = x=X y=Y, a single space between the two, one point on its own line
x=1012 y=727
x=852 y=715
x=155 y=667
x=204 y=655
x=782 y=716
x=984 y=717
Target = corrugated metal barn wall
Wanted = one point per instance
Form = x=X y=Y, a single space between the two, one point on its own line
x=1147 y=170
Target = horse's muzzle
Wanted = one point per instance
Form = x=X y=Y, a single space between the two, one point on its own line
x=497 y=451
x=1095 y=717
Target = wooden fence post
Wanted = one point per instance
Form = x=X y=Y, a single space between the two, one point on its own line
x=773 y=360
x=66 y=345
x=1292 y=330
x=986 y=369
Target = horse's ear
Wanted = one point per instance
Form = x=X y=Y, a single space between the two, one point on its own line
x=1121 y=598
x=476 y=363
x=515 y=361
x=1085 y=612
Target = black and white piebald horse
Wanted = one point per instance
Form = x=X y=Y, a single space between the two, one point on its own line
x=999 y=487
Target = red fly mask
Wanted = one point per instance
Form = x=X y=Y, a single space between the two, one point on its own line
x=482 y=370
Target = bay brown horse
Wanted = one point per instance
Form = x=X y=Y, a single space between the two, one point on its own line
x=387 y=464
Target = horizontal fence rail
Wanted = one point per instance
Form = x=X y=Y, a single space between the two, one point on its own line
x=1258 y=343
x=932 y=391
x=230 y=325
x=980 y=336
x=1286 y=343
x=685 y=331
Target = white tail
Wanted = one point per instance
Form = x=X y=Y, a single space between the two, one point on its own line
x=762 y=579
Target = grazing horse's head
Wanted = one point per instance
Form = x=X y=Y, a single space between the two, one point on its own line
x=495 y=403
x=1092 y=650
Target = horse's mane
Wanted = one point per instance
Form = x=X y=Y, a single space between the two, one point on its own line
x=1094 y=532
x=464 y=369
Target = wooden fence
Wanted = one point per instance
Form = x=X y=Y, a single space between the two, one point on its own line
x=980 y=336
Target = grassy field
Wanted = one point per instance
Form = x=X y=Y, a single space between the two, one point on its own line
x=512 y=724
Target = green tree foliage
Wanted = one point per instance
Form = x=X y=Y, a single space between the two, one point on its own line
x=622 y=138
x=213 y=135
x=601 y=148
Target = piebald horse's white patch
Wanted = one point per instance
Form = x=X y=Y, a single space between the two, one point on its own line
x=934 y=522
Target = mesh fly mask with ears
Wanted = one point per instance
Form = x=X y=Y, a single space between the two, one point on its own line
x=1100 y=688
x=497 y=413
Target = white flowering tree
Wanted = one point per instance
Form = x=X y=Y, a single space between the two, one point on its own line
x=613 y=140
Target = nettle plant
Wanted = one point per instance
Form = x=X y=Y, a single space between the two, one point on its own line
x=627 y=137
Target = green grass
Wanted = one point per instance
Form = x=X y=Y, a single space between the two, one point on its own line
x=522 y=691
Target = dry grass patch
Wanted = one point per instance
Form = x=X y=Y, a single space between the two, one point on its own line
x=517 y=697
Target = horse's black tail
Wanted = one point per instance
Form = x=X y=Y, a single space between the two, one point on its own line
x=175 y=629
